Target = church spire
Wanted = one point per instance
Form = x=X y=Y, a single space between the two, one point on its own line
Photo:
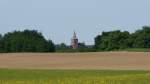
x=74 y=35
x=74 y=41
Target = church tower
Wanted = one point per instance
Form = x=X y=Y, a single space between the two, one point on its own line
x=74 y=41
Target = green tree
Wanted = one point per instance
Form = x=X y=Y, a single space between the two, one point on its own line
x=142 y=38
x=62 y=47
x=112 y=40
x=27 y=41
x=1 y=44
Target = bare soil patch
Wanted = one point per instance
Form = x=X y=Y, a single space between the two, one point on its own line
x=97 y=61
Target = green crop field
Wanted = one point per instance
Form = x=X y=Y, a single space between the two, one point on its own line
x=8 y=76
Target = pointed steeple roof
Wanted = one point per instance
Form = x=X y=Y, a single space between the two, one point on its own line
x=74 y=35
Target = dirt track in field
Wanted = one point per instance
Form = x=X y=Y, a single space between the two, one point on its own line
x=98 y=61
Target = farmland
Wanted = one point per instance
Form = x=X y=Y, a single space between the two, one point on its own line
x=73 y=77
x=94 y=61
x=75 y=68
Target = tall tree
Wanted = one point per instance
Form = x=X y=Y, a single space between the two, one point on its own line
x=142 y=38
x=1 y=44
x=27 y=41
x=112 y=40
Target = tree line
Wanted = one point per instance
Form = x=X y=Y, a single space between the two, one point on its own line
x=34 y=41
x=82 y=47
x=117 y=40
x=25 y=41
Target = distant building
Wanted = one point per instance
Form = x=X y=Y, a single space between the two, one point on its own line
x=74 y=41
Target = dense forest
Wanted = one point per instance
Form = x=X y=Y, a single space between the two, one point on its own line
x=34 y=41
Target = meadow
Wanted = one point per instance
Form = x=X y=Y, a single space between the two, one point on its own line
x=14 y=76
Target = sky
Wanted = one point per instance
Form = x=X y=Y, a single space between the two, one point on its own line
x=57 y=19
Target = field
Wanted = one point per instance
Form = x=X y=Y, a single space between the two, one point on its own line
x=73 y=77
x=96 y=61
x=75 y=68
x=138 y=49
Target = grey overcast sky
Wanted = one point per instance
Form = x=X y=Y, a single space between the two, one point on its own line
x=57 y=19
